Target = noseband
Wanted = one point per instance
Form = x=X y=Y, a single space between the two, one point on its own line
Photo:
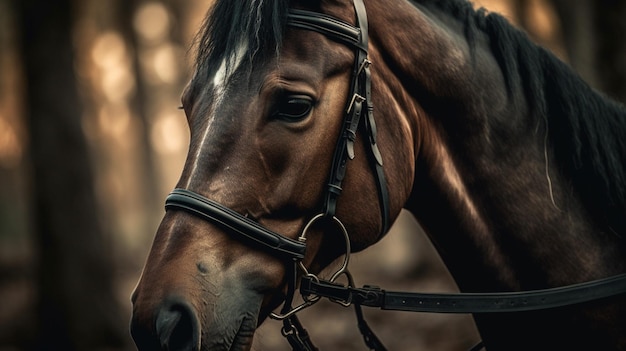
x=311 y=287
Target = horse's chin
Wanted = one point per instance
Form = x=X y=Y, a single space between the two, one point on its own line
x=244 y=336
x=246 y=332
x=240 y=339
x=232 y=325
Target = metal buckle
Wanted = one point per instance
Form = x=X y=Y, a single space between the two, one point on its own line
x=356 y=97
x=366 y=63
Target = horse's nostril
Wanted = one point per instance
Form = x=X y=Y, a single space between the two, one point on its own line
x=177 y=327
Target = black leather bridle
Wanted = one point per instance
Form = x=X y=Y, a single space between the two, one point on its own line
x=359 y=114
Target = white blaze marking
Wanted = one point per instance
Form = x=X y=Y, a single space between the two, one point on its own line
x=222 y=76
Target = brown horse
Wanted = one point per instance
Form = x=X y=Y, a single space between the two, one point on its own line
x=514 y=167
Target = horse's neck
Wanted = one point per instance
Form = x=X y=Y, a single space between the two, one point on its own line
x=486 y=189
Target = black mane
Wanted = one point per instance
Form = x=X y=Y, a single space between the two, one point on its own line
x=257 y=23
x=587 y=131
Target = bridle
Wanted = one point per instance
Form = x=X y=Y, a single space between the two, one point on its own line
x=359 y=114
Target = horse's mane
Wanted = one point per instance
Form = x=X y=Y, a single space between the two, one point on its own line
x=257 y=24
x=586 y=130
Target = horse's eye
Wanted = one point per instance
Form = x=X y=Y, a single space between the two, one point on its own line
x=293 y=108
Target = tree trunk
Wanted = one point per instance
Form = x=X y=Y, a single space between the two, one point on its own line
x=76 y=309
x=610 y=20
x=139 y=103
x=593 y=34
x=578 y=31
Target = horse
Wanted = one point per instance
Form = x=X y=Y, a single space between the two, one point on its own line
x=314 y=123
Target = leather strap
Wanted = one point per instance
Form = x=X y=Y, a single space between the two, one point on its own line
x=296 y=335
x=375 y=158
x=246 y=229
x=469 y=302
x=344 y=149
x=360 y=104
x=329 y=26
x=371 y=340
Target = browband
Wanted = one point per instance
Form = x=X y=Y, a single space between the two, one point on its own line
x=329 y=26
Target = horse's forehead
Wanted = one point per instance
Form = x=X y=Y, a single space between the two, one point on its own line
x=228 y=67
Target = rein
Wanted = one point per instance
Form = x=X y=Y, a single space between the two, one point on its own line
x=312 y=288
x=532 y=300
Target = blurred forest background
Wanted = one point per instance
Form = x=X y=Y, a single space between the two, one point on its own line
x=91 y=141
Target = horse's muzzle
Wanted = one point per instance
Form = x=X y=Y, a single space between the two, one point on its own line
x=175 y=327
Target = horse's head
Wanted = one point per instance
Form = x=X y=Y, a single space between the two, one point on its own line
x=266 y=108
